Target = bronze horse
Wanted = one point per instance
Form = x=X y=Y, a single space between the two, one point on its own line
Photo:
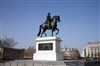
x=53 y=27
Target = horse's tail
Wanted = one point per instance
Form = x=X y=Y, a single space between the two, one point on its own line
x=39 y=30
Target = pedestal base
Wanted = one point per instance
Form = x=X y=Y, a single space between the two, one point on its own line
x=48 y=48
x=48 y=56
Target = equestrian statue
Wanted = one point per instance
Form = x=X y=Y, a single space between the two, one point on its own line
x=49 y=24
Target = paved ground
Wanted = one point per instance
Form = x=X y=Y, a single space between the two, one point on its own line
x=50 y=63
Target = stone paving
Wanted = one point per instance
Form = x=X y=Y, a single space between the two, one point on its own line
x=50 y=63
x=43 y=63
x=74 y=63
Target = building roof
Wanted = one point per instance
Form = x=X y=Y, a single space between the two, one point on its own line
x=96 y=42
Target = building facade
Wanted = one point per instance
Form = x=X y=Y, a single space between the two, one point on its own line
x=70 y=53
x=28 y=54
x=92 y=50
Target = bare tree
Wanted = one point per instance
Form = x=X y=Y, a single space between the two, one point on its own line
x=7 y=42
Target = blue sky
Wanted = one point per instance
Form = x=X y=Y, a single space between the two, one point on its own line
x=80 y=19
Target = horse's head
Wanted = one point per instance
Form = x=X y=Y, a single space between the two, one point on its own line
x=57 y=18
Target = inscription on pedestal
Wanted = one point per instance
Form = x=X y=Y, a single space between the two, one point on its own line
x=45 y=46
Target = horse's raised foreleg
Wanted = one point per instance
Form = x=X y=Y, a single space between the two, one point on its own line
x=57 y=31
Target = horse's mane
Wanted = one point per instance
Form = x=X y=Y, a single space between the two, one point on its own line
x=53 y=17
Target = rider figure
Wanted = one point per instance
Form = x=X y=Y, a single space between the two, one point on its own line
x=48 y=20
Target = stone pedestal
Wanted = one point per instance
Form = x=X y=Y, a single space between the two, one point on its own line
x=48 y=48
